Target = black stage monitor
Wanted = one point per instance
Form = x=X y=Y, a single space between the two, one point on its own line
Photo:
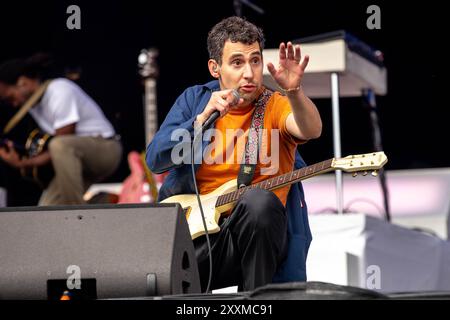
x=96 y=252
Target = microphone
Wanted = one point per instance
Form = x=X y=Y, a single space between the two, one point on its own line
x=216 y=114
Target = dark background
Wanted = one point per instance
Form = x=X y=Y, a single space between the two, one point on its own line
x=413 y=115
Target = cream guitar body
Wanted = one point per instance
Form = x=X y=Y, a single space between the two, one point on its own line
x=212 y=213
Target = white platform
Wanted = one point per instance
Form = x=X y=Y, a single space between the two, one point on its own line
x=367 y=252
x=114 y=188
x=418 y=198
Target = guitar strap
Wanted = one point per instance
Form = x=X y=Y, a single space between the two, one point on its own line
x=250 y=158
x=26 y=106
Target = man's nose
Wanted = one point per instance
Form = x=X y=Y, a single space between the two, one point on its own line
x=248 y=71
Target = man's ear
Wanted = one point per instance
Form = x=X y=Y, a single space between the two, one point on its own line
x=214 y=68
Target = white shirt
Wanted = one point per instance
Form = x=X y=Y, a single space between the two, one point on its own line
x=64 y=103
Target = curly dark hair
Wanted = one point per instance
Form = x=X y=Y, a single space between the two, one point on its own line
x=235 y=29
x=38 y=66
x=11 y=70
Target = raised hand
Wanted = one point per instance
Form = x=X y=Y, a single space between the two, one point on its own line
x=290 y=69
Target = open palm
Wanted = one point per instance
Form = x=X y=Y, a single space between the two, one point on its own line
x=290 y=71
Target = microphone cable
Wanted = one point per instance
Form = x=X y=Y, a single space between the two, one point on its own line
x=201 y=210
x=207 y=123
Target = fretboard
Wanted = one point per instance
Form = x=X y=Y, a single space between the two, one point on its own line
x=278 y=181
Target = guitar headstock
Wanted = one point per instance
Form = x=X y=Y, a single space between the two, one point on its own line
x=148 y=67
x=361 y=162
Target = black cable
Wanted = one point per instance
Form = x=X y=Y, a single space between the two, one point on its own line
x=369 y=96
x=201 y=211
x=363 y=200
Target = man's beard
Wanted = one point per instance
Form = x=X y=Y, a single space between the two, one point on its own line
x=251 y=97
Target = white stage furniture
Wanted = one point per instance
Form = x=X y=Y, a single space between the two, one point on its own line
x=367 y=252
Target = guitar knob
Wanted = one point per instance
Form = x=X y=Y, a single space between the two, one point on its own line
x=364 y=173
x=354 y=174
x=374 y=173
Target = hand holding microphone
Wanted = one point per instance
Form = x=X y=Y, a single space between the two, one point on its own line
x=219 y=104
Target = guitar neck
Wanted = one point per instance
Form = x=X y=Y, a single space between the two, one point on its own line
x=150 y=112
x=279 y=181
x=148 y=69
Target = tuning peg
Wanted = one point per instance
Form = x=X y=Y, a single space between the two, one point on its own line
x=354 y=174
x=374 y=173
x=364 y=173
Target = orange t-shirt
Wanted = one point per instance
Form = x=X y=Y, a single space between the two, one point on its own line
x=223 y=157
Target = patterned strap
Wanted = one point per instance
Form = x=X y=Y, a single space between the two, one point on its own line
x=248 y=166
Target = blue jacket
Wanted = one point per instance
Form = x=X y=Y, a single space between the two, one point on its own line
x=179 y=180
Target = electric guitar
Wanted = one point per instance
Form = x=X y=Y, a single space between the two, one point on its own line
x=149 y=181
x=225 y=197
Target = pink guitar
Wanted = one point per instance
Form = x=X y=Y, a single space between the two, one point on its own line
x=141 y=186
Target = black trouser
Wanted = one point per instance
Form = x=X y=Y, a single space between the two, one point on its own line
x=250 y=245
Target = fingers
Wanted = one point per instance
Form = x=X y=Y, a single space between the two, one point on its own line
x=8 y=153
x=271 y=69
x=221 y=101
x=297 y=55
x=11 y=146
x=290 y=52
x=305 y=62
x=282 y=51
x=7 y=147
x=224 y=93
x=230 y=97
x=218 y=104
